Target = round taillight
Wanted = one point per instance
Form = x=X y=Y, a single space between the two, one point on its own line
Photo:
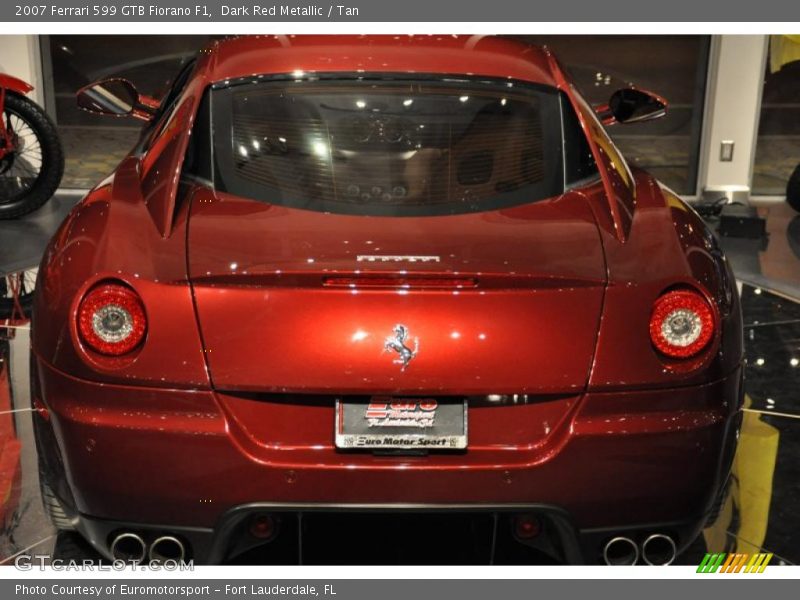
x=111 y=319
x=681 y=324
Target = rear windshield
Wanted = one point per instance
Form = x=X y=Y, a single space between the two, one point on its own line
x=388 y=147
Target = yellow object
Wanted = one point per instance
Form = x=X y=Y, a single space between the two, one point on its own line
x=751 y=489
x=765 y=563
x=749 y=567
x=783 y=49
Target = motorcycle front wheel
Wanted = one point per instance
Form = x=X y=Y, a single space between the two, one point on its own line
x=31 y=173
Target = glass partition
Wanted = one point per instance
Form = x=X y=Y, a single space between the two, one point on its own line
x=672 y=66
x=778 y=145
x=94 y=145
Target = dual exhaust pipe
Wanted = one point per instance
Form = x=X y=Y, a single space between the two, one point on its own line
x=131 y=547
x=657 y=550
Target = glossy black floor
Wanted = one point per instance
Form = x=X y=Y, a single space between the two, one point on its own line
x=22 y=241
x=761 y=514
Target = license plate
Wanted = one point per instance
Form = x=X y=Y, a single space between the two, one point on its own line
x=396 y=423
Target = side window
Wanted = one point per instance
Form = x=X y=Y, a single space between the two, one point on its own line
x=623 y=187
x=579 y=163
x=605 y=145
x=167 y=106
x=198 y=154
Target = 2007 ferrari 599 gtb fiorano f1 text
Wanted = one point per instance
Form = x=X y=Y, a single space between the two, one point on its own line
x=352 y=275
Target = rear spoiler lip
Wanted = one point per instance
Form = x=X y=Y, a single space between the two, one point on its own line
x=395 y=280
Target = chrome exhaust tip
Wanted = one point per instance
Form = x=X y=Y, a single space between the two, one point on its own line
x=167 y=548
x=621 y=551
x=659 y=550
x=128 y=547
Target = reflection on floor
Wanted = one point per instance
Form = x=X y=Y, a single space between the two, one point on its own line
x=774 y=262
x=761 y=514
x=24 y=526
x=25 y=239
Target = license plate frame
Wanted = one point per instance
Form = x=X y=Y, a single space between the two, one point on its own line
x=389 y=423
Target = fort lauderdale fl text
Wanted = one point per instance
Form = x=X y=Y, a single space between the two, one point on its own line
x=282 y=10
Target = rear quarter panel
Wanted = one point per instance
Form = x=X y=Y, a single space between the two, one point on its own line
x=668 y=246
x=110 y=235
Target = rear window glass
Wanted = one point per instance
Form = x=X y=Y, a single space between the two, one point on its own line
x=388 y=147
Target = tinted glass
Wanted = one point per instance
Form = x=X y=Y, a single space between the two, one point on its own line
x=777 y=160
x=93 y=144
x=673 y=66
x=362 y=146
x=167 y=106
x=580 y=163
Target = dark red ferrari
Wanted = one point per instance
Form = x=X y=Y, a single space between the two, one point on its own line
x=342 y=277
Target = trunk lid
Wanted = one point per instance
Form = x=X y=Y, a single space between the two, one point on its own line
x=499 y=302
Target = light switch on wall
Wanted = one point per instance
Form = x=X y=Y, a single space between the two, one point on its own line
x=726 y=151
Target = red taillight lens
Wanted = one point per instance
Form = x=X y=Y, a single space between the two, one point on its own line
x=527 y=527
x=682 y=323
x=111 y=319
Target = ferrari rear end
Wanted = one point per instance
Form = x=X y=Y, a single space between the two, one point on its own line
x=386 y=293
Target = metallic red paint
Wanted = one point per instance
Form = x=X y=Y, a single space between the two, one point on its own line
x=9 y=83
x=185 y=456
x=10 y=445
x=446 y=54
x=14 y=84
x=213 y=412
x=250 y=261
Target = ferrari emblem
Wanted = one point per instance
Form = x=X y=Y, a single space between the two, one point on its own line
x=397 y=343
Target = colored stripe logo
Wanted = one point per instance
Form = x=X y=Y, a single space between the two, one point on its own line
x=737 y=562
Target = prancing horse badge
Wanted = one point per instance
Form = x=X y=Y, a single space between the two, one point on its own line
x=397 y=343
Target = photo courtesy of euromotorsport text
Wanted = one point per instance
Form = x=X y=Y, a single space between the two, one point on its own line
x=170 y=590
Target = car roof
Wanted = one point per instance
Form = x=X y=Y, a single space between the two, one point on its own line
x=477 y=55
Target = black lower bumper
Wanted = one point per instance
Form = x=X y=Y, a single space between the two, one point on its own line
x=391 y=534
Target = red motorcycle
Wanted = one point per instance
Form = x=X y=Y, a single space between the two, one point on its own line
x=31 y=158
x=31 y=166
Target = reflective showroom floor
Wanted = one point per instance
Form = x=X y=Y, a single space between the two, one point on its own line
x=761 y=514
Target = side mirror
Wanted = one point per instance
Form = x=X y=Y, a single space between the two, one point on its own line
x=116 y=98
x=632 y=105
